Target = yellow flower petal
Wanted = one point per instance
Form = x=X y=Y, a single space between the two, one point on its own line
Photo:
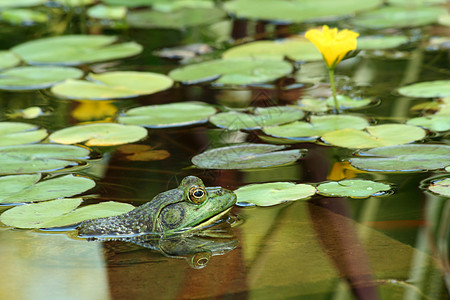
x=94 y=110
x=334 y=44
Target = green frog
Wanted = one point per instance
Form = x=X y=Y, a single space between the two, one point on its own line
x=190 y=206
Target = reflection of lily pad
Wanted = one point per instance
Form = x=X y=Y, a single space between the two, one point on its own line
x=99 y=134
x=75 y=49
x=16 y=133
x=427 y=89
x=109 y=85
x=294 y=49
x=245 y=156
x=403 y=158
x=441 y=187
x=39 y=158
x=354 y=188
x=375 y=136
x=433 y=123
x=8 y=59
x=262 y=117
x=232 y=71
x=267 y=194
x=317 y=126
x=26 y=188
x=388 y=17
x=61 y=212
x=379 y=42
x=35 y=77
x=168 y=115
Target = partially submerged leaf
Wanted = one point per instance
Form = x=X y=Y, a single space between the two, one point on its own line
x=433 y=122
x=441 y=187
x=26 y=188
x=354 y=188
x=168 y=115
x=267 y=194
x=403 y=158
x=99 y=134
x=16 y=133
x=142 y=153
x=427 y=89
x=245 y=156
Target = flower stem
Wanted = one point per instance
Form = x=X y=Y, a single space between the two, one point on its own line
x=333 y=90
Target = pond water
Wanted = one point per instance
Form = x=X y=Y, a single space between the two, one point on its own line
x=388 y=246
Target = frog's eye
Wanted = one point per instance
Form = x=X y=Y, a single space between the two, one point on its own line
x=197 y=194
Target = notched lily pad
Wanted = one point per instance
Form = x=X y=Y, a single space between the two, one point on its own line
x=16 y=133
x=441 y=187
x=267 y=194
x=29 y=188
x=354 y=188
x=403 y=158
x=99 y=134
x=8 y=59
x=374 y=136
x=60 y=212
x=34 y=158
x=168 y=115
x=262 y=117
x=232 y=71
x=379 y=42
x=246 y=156
x=433 y=122
x=427 y=89
x=113 y=85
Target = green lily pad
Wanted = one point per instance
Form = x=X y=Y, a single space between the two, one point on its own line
x=113 y=85
x=176 y=19
x=35 y=77
x=433 y=122
x=60 y=212
x=34 y=158
x=75 y=49
x=99 y=134
x=28 y=188
x=354 y=188
x=20 y=16
x=262 y=117
x=375 y=136
x=101 y=11
x=169 y=115
x=268 y=194
x=74 y=3
x=346 y=102
x=8 y=59
x=20 y=3
x=297 y=10
x=318 y=126
x=427 y=89
x=16 y=133
x=403 y=158
x=294 y=49
x=379 y=42
x=232 y=71
x=245 y=156
x=130 y=3
x=398 y=17
x=441 y=187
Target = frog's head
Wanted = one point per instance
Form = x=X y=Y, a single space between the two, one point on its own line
x=197 y=206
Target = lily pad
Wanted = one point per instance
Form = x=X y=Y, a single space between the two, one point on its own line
x=267 y=194
x=99 y=134
x=34 y=158
x=35 y=77
x=8 y=59
x=169 y=115
x=16 y=133
x=441 y=187
x=246 y=156
x=403 y=158
x=317 y=126
x=113 y=85
x=398 y=17
x=20 y=3
x=19 y=16
x=297 y=10
x=28 y=188
x=101 y=11
x=262 y=117
x=375 y=136
x=74 y=3
x=61 y=212
x=433 y=122
x=427 y=89
x=346 y=102
x=75 y=49
x=379 y=42
x=295 y=49
x=354 y=188
x=232 y=71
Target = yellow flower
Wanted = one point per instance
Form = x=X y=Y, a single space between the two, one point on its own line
x=334 y=44
x=94 y=110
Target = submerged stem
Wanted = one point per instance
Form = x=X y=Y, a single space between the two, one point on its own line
x=333 y=90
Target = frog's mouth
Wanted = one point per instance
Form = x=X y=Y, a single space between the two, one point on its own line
x=212 y=220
